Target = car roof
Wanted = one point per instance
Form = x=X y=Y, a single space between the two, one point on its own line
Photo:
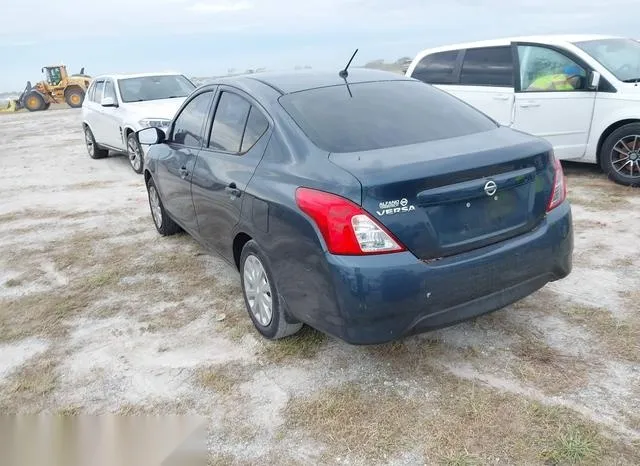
x=562 y=39
x=296 y=81
x=138 y=75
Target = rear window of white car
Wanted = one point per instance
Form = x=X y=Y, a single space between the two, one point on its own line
x=377 y=115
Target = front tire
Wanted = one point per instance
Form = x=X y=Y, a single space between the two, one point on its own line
x=94 y=150
x=261 y=296
x=620 y=155
x=74 y=96
x=164 y=224
x=135 y=154
x=34 y=102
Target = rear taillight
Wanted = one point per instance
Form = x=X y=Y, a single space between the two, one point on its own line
x=346 y=227
x=559 y=193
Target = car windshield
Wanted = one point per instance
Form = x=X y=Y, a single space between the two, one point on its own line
x=154 y=87
x=620 y=56
x=377 y=115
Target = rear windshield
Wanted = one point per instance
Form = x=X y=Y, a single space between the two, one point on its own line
x=381 y=114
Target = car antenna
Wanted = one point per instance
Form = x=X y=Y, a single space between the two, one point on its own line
x=344 y=73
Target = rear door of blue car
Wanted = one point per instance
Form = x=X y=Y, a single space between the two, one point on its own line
x=235 y=144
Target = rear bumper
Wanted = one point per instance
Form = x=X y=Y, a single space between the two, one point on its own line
x=382 y=298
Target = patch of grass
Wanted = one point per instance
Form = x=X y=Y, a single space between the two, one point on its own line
x=546 y=367
x=587 y=224
x=458 y=423
x=10 y=217
x=460 y=459
x=620 y=338
x=172 y=318
x=30 y=386
x=220 y=459
x=71 y=410
x=369 y=425
x=90 y=185
x=163 y=408
x=622 y=262
x=13 y=282
x=575 y=446
x=39 y=314
x=595 y=199
x=303 y=345
x=222 y=379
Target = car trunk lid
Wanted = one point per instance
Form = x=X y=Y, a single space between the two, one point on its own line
x=449 y=196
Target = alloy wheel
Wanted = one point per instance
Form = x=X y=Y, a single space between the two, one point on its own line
x=625 y=156
x=89 y=141
x=257 y=290
x=135 y=157
x=156 y=209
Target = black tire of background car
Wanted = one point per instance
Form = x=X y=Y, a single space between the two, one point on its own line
x=606 y=154
x=70 y=92
x=98 y=152
x=278 y=327
x=34 y=102
x=133 y=138
x=168 y=226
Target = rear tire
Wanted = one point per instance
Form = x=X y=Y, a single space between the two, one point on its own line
x=260 y=293
x=164 y=224
x=74 y=96
x=135 y=154
x=34 y=102
x=620 y=155
x=94 y=150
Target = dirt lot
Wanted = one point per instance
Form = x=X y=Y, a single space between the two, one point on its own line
x=100 y=314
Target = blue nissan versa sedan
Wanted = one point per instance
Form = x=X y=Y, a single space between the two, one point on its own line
x=369 y=207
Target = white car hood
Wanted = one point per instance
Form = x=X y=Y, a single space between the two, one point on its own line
x=165 y=108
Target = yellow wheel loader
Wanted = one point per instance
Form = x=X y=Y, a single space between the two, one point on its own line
x=56 y=88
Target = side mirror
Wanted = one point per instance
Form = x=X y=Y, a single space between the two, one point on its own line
x=594 y=80
x=108 y=102
x=151 y=135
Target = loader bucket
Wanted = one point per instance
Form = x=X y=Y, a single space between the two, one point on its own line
x=10 y=107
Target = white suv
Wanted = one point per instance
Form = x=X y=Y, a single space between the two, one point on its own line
x=116 y=106
x=581 y=93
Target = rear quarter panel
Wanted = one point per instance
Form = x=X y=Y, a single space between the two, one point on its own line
x=290 y=239
x=609 y=109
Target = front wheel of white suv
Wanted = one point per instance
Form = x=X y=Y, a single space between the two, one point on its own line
x=135 y=154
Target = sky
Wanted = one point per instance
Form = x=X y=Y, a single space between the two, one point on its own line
x=209 y=37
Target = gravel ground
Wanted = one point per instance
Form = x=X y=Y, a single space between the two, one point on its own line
x=98 y=314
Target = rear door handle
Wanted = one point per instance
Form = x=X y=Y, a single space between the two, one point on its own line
x=233 y=190
x=184 y=173
x=529 y=104
x=501 y=97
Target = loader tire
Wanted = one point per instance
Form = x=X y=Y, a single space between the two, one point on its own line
x=74 y=96
x=34 y=102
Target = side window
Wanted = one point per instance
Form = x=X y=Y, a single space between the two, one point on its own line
x=91 y=91
x=545 y=69
x=97 y=95
x=109 y=90
x=257 y=125
x=229 y=123
x=187 y=129
x=488 y=66
x=437 y=68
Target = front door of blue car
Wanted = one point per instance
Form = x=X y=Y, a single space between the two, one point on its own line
x=236 y=142
x=175 y=167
